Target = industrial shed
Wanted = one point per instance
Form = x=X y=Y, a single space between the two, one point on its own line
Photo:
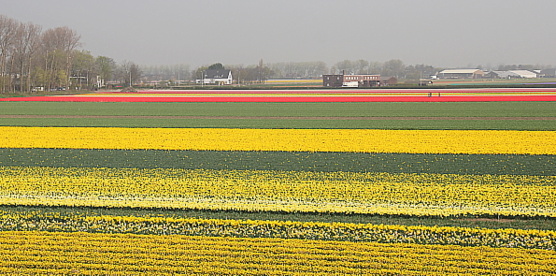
x=548 y=73
x=461 y=74
x=512 y=74
x=526 y=74
x=502 y=75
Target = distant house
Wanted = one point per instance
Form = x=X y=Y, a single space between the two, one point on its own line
x=350 y=80
x=219 y=76
x=548 y=73
x=385 y=81
x=461 y=74
x=332 y=80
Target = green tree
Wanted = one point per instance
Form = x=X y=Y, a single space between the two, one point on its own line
x=83 y=70
x=216 y=66
x=39 y=77
x=198 y=74
x=106 y=68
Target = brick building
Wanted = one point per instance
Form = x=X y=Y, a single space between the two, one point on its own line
x=350 y=80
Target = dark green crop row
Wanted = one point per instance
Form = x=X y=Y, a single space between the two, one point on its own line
x=534 y=125
x=494 y=223
x=472 y=115
x=288 y=161
x=75 y=219
x=441 y=109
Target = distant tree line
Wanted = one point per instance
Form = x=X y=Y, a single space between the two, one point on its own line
x=392 y=68
x=261 y=72
x=250 y=74
x=32 y=59
x=505 y=67
x=298 y=70
x=166 y=75
x=313 y=70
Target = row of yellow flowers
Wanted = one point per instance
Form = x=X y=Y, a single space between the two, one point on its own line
x=291 y=191
x=314 y=140
x=510 y=238
x=59 y=253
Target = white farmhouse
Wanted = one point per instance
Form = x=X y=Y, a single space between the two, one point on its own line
x=218 y=76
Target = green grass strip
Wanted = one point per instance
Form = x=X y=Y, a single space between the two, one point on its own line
x=287 y=161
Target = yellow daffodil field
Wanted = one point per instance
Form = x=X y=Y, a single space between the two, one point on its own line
x=291 y=140
x=282 y=191
x=131 y=254
x=83 y=193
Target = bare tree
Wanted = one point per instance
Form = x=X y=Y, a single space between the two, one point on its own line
x=30 y=57
x=362 y=66
x=393 y=68
x=130 y=73
x=26 y=46
x=298 y=70
x=8 y=29
x=346 y=66
x=57 y=49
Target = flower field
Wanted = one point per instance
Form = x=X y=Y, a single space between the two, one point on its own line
x=321 y=140
x=125 y=254
x=91 y=185
x=14 y=220
x=282 y=191
x=318 y=95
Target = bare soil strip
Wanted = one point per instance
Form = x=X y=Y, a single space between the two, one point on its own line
x=268 y=117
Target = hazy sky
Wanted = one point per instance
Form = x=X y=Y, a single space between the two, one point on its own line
x=444 y=33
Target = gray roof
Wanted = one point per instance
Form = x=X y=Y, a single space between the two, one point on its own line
x=217 y=74
x=460 y=71
x=549 y=72
x=505 y=74
x=524 y=73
